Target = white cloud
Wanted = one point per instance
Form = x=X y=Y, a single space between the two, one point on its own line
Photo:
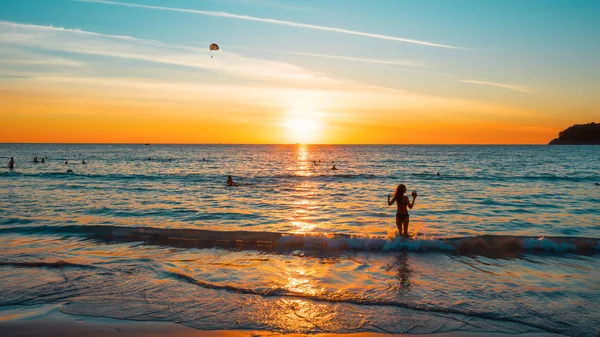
x=402 y=63
x=264 y=3
x=514 y=87
x=18 y=57
x=84 y=42
x=277 y=22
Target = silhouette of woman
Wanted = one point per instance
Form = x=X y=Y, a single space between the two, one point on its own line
x=402 y=217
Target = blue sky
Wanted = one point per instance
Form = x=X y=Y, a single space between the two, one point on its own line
x=537 y=56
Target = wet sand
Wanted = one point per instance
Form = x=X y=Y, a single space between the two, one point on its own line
x=47 y=320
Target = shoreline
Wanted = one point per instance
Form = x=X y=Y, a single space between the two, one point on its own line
x=48 y=320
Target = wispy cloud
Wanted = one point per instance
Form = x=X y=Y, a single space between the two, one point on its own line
x=264 y=3
x=514 y=87
x=380 y=103
x=47 y=61
x=13 y=27
x=18 y=57
x=339 y=57
x=118 y=46
x=277 y=22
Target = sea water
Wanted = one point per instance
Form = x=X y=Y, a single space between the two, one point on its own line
x=505 y=238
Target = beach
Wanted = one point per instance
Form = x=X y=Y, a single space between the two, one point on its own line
x=151 y=238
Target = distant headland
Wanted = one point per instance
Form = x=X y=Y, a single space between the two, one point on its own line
x=579 y=134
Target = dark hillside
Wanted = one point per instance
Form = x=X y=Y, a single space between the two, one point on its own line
x=579 y=134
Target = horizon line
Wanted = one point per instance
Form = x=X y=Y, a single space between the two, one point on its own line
x=278 y=144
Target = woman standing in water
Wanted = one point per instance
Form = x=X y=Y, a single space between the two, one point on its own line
x=402 y=201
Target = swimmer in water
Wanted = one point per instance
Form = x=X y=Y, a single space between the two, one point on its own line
x=66 y=162
x=83 y=162
x=35 y=160
x=230 y=181
x=43 y=160
x=69 y=171
x=333 y=167
x=402 y=217
x=11 y=163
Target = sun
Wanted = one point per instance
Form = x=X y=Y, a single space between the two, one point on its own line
x=302 y=130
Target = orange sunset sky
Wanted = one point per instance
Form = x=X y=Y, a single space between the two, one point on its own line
x=382 y=72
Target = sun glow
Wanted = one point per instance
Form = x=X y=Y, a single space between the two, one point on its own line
x=302 y=130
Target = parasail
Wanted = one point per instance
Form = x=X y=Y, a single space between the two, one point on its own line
x=213 y=47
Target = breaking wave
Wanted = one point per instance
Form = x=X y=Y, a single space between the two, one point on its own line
x=486 y=245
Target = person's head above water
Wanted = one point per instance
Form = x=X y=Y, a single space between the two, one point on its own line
x=400 y=190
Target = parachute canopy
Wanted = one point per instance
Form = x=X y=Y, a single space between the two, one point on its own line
x=214 y=46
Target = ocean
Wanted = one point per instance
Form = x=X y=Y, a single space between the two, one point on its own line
x=505 y=238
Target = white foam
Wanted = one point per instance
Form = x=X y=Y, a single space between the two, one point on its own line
x=366 y=243
x=431 y=244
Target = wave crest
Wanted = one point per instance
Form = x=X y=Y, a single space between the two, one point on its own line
x=487 y=245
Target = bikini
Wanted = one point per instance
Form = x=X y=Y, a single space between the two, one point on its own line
x=401 y=216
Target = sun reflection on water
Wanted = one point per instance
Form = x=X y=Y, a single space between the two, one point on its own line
x=303 y=168
x=299 y=281
x=300 y=316
x=304 y=206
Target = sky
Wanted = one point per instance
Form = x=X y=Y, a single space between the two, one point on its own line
x=326 y=72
